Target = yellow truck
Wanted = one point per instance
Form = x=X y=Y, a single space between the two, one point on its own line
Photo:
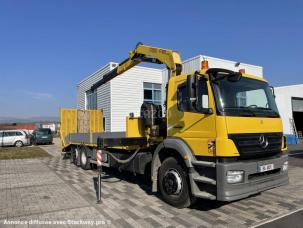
x=218 y=135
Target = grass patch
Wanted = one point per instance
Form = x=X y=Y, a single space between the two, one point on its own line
x=7 y=153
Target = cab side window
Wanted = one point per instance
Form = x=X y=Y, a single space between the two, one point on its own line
x=182 y=96
x=202 y=98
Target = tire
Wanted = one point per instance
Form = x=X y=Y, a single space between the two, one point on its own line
x=173 y=183
x=18 y=143
x=76 y=156
x=72 y=155
x=84 y=159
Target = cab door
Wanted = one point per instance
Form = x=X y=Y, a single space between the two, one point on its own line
x=195 y=126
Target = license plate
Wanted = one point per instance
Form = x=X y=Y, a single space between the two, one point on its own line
x=264 y=168
x=44 y=137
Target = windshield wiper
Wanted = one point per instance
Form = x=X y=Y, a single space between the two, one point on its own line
x=242 y=108
x=273 y=112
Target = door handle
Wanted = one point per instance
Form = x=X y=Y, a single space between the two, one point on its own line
x=178 y=126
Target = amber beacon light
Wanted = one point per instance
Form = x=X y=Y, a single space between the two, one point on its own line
x=204 y=65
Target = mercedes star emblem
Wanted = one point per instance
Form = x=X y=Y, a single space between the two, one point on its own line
x=263 y=141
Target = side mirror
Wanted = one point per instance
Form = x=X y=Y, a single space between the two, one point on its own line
x=203 y=97
x=205 y=101
x=197 y=95
x=204 y=106
x=191 y=84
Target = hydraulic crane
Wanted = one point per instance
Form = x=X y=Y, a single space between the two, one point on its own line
x=147 y=54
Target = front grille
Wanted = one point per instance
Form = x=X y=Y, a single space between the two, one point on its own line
x=258 y=144
x=257 y=176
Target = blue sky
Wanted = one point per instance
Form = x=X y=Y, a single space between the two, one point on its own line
x=46 y=47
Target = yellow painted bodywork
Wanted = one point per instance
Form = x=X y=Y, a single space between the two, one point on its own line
x=134 y=127
x=168 y=57
x=197 y=129
x=252 y=124
x=284 y=145
x=69 y=123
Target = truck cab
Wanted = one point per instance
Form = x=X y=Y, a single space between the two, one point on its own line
x=229 y=125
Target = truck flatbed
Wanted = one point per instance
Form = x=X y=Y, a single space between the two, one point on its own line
x=108 y=139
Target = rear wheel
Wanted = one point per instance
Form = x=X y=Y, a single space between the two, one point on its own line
x=84 y=159
x=18 y=143
x=173 y=183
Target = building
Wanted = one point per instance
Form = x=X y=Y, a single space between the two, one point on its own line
x=51 y=125
x=126 y=93
x=120 y=96
x=290 y=104
x=194 y=63
x=28 y=127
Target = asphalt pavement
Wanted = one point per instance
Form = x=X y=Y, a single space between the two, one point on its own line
x=294 y=220
x=52 y=190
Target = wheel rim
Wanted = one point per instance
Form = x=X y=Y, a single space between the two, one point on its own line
x=83 y=158
x=18 y=144
x=172 y=182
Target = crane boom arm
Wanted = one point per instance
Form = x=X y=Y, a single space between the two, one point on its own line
x=143 y=53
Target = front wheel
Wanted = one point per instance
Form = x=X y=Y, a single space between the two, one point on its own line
x=18 y=143
x=173 y=183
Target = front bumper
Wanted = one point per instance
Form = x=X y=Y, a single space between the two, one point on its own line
x=253 y=182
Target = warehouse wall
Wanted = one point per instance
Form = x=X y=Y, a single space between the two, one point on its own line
x=164 y=79
x=103 y=93
x=127 y=94
x=283 y=100
x=120 y=96
x=194 y=64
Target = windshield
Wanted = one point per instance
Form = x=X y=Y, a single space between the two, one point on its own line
x=246 y=97
x=44 y=131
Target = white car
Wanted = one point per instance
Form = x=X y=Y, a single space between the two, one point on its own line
x=16 y=138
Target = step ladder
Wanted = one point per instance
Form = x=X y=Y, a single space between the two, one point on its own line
x=293 y=127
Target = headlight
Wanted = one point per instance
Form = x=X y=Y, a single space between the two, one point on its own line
x=233 y=177
x=285 y=166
